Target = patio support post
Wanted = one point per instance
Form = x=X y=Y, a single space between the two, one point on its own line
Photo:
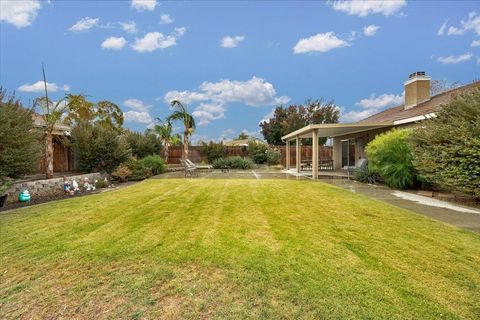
x=298 y=153
x=287 y=155
x=315 y=154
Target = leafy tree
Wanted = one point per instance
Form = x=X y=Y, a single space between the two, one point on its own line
x=79 y=109
x=213 y=150
x=181 y=114
x=294 y=117
x=446 y=149
x=97 y=147
x=257 y=151
x=19 y=140
x=143 y=144
x=109 y=114
x=103 y=112
x=440 y=86
x=164 y=132
x=390 y=156
x=242 y=136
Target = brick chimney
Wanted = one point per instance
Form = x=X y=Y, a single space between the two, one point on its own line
x=417 y=89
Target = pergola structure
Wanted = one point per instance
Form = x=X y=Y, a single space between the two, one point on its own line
x=329 y=130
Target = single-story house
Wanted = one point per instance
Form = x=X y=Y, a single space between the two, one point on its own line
x=63 y=158
x=350 y=139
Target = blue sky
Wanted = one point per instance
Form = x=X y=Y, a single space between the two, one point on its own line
x=232 y=62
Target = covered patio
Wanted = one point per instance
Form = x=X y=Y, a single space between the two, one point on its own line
x=334 y=131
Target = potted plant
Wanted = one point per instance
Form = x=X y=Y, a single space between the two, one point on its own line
x=5 y=184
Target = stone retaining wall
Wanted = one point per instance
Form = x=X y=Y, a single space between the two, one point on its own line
x=47 y=187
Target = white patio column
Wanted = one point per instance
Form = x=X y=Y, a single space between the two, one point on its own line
x=298 y=153
x=315 y=154
x=287 y=155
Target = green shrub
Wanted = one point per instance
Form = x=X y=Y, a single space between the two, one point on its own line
x=389 y=156
x=98 y=147
x=143 y=144
x=446 y=149
x=366 y=175
x=121 y=173
x=100 y=184
x=20 y=143
x=213 y=150
x=257 y=151
x=138 y=170
x=234 y=162
x=155 y=163
x=273 y=157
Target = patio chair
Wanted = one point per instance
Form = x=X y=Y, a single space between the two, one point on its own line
x=200 y=167
x=360 y=165
x=189 y=169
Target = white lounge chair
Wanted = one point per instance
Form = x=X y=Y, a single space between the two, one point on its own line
x=200 y=167
x=189 y=169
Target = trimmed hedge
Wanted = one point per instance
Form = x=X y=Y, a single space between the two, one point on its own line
x=234 y=162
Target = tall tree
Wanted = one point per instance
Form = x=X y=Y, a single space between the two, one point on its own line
x=19 y=147
x=294 y=117
x=180 y=113
x=165 y=132
x=103 y=112
x=52 y=113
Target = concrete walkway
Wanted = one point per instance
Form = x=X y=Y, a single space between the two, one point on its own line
x=458 y=215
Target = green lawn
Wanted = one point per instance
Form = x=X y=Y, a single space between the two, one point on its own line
x=234 y=249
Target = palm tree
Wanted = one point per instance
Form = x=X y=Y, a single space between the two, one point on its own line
x=164 y=132
x=52 y=114
x=181 y=113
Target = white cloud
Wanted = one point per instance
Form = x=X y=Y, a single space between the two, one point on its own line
x=454 y=31
x=206 y=113
x=381 y=101
x=321 y=42
x=130 y=26
x=268 y=116
x=136 y=104
x=372 y=105
x=142 y=5
x=114 y=43
x=363 y=8
x=84 y=24
x=231 y=42
x=166 y=19
x=40 y=87
x=354 y=116
x=455 y=59
x=475 y=43
x=471 y=24
x=136 y=116
x=156 y=40
x=441 y=31
x=370 y=30
x=19 y=13
x=214 y=96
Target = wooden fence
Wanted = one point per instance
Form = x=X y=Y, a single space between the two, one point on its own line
x=195 y=154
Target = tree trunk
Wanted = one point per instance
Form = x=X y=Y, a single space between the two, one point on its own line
x=49 y=155
x=166 y=147
x=185 y=147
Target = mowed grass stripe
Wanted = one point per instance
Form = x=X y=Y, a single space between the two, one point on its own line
x=235 y=249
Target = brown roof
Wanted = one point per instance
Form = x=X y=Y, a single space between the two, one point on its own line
x=430 y=106
x=59 y=128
